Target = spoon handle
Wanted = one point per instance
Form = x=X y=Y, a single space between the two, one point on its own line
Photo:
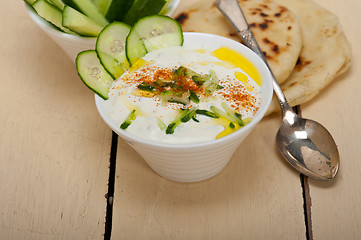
x=233 y=12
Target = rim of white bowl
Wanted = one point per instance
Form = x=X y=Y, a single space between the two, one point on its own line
x=265 y=100
x=48 y=26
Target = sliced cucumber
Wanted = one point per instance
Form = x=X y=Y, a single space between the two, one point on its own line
x=117 y=9
x=152 y=33
x=51 y=14
x=93 y=74
x=165 y=8
x=113 y=10
x=79 y=23
x=111 y=65
x=30 y=2
x=111 y=43
x=143 y=8
x=58 y=3
x=134 y=47
x=102 y=5
x=88 y=8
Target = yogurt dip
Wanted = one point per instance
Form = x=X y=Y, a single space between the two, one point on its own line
x=182 y=95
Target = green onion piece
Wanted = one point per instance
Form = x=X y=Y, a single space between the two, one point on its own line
x=161 y=125
x=212 y=85
x=177 y=101
x=232 y=114
x=179 y=71
x=206 y=113
x=182 y=117
x=195 y=119
x=193 y=97
x=171 y=127
x=201 y=79
x=191 y=112
x=239 y=116
x=173 y=96
x=128 y=120
x=145 y=87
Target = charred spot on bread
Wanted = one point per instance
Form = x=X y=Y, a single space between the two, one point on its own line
x=182 y=17
x=301 y=63
x=275 y=48
x=263 y=25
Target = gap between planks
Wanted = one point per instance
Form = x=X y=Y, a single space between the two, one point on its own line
x=305 y=194
x=111 y=182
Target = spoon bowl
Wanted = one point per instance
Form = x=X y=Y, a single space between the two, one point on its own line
x=305 y=144
x=308 y=147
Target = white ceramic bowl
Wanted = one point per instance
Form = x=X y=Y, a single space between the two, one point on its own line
x=72 y=44
x=196 y=162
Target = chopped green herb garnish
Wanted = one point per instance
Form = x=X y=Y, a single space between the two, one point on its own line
x=184 y=116
x=199 y=80
x=193 y=97
x=162 y=125
x=171 y=127
x=159 y=83
x=211 y=84
x=128 y=120
x=145 y=87
x=174 y=97
x=189 y=115
x=233 y=115
x=195 y=119
x=176 y=101
x=206 y=113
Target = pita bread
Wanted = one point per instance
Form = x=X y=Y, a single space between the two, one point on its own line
x=326 y=53
x=275 y=28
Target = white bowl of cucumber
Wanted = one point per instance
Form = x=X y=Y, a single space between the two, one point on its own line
x=171 y=148
x=73 y=31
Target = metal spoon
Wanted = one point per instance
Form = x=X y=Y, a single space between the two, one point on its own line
x=306 y=144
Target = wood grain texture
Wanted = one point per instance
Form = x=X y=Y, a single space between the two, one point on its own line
x=336 y=206
x=54 y=148
x=257 y=196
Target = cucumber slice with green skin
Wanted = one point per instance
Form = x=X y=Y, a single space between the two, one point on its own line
x=30 y=1
x=134 y=47
x=79 y=23
x=58 y=3
x=117 y=9
x=143 y=8
x=111 y=42
x=88 y=8
x=165 y=8
x=111 y=65
x=102 y=5
x=51 y=14
x=152 y=33
x=93 y=74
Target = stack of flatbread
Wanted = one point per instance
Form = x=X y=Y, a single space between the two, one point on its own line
x=303 y=43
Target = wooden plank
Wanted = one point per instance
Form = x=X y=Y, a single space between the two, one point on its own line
x=336 y=206
x=54 y=148
x=257 y=196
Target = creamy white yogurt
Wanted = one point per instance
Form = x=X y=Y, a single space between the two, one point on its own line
x=240 y=92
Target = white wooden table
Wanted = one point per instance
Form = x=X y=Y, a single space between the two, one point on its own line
x=56 y=158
